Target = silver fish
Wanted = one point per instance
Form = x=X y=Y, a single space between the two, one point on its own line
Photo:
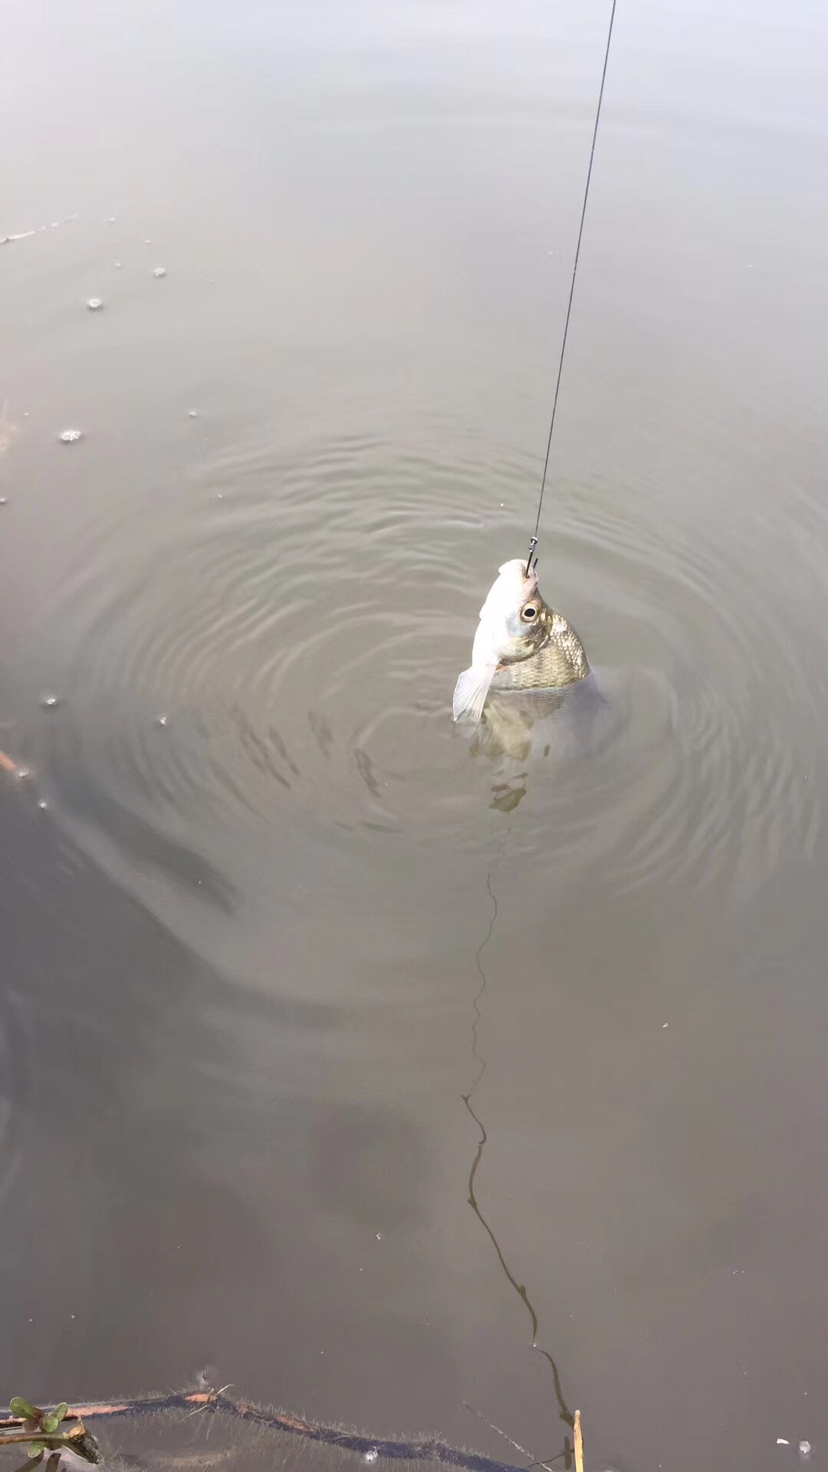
x=521 y=644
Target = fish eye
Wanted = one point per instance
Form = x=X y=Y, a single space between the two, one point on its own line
x=528 y=613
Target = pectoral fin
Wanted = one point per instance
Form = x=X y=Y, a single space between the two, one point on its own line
x=471 y=690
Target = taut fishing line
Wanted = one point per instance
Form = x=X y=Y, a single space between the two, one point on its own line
x=533 y=541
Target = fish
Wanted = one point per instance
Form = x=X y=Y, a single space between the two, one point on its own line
x=520 y=644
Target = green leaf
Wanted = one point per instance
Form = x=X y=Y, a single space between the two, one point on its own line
x=20 y=1407
x=60 y=1411
x=35 y=1448
x=50 y=1423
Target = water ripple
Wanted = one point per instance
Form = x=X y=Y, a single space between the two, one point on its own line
x=302 y=637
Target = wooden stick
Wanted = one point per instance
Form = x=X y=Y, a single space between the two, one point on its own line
x=579 y=1444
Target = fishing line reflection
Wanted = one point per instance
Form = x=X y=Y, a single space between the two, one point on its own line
x=520 y=1289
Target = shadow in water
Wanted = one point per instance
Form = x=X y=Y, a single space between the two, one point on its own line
x=520 y=1289
x=116 y=1053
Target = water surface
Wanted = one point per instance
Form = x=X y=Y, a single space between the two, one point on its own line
x=285 y=960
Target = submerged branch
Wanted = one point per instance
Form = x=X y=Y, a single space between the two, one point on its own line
x=219 y=1401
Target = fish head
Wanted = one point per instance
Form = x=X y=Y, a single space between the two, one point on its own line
x=514 y=624
x=514 y=620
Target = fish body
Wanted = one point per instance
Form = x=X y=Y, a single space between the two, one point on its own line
x=520 y=644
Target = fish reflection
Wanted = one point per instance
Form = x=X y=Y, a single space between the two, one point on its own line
x=519 y=729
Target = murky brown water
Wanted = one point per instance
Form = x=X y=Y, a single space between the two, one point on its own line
x=241 y=999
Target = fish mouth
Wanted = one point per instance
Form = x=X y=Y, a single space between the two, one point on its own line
x=529 y=581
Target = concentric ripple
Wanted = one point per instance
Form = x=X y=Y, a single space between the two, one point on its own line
x=286 y=652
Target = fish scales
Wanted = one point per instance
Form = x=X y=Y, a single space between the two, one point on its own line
x=562 y=661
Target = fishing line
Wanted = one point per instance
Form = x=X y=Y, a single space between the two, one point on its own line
x=533 y=541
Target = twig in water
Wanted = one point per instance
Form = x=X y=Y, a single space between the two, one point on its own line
x=207 y=1403
x=430 y=1450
